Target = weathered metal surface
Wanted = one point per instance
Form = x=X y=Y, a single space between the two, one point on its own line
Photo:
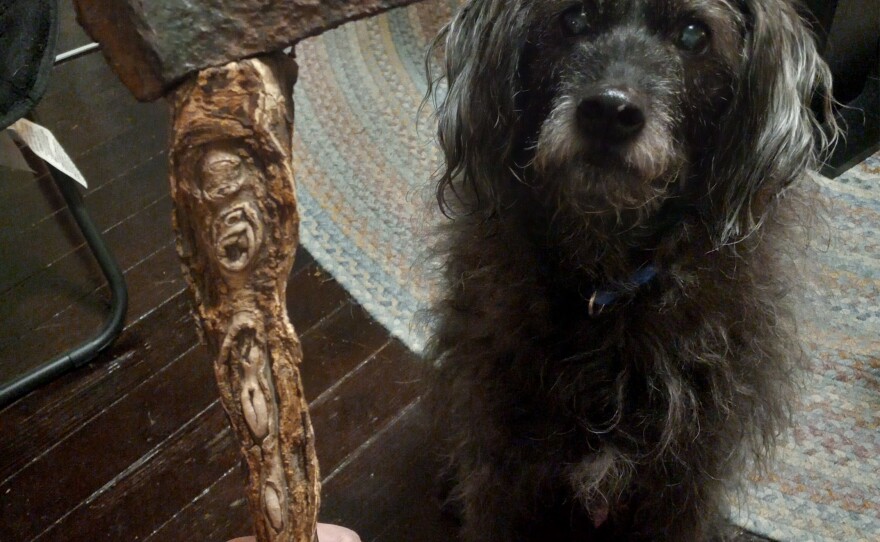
x=152 y=45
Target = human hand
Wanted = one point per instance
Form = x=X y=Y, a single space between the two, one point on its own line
x=326 y=533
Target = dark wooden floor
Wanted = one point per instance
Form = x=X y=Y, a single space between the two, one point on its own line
x=135 y=446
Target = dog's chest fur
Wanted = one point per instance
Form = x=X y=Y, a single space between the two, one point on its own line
x=637 y=384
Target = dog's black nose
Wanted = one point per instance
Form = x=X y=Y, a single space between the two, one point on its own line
x=611 y=114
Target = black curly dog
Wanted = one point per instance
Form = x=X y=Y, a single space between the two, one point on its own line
x=613 y=350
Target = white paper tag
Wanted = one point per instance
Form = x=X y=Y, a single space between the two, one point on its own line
x=43 y=143
x=10 y=154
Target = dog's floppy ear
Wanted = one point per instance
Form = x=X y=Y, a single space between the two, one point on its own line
x=770 y=135
x=477 y=117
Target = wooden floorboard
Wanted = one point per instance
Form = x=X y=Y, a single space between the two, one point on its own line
x=105 y=449
x=120 y=148
x=76 y=275
x=136 y=191
x=386 y=491
x=135 y=446
x=47 y=417
x=24 y=341
x=70 y=34
x=130 y=145
x=191 y=459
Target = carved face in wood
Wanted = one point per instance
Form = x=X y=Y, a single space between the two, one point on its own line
x=235 y=212
x=231 y=183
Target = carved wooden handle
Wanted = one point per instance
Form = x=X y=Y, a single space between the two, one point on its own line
x=237 y=224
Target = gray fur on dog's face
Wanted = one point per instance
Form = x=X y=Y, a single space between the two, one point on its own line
x=516 y=76
x=639 y=51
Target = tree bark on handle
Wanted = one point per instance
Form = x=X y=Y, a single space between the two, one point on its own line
x=237 y=224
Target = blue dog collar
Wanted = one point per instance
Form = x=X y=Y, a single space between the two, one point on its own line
x=602 y=298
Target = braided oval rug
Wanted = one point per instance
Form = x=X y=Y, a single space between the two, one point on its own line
x=363 y=159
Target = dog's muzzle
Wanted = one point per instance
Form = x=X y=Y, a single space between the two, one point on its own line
x=614 y=115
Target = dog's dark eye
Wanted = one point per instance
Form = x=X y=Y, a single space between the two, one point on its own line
x=574 y=21
x=693 y=37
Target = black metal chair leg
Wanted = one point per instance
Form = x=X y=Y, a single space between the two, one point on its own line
x=113 y=325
